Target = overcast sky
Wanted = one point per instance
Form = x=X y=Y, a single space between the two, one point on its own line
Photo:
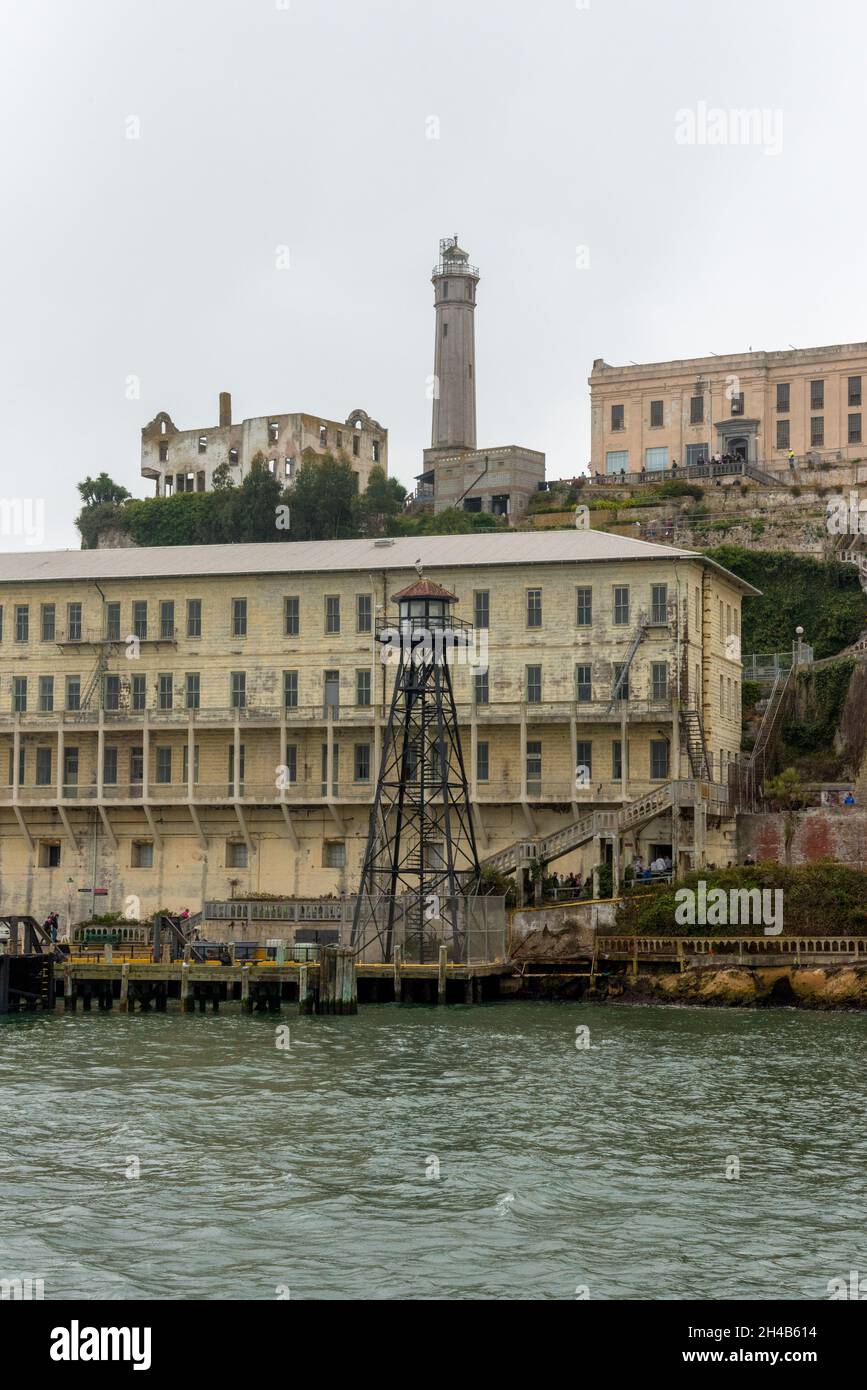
x=307 y=124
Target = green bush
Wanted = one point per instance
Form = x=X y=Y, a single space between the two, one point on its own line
x=817 y=898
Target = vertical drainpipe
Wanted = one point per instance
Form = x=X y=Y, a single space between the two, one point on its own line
x=706 y=630
x=676 y=697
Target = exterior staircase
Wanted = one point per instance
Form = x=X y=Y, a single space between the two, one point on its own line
x=559 y=842
x=755 y=768
x=682 y=792
x=623 y=677
x=760 y=476
x=696 y=747
x=95 y=678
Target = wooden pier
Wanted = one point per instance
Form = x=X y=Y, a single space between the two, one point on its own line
x=333 y=985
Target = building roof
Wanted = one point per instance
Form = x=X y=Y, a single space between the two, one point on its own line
x=762 y=357
x=425 y=588
x=359 y=556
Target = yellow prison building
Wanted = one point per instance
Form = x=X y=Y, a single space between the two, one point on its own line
x=205 y=722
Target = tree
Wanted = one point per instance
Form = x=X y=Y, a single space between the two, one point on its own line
x=254 y=505
x=383 y=498
x=222 y=476
x=785 y=791
x=323 y=500
x=96 y=492
x=452 y=521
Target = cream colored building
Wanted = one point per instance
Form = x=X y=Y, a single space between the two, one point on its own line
x=755 y=406
x=185 y=460
x=188 y=722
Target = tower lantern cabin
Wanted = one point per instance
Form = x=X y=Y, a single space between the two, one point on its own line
x=425 y=604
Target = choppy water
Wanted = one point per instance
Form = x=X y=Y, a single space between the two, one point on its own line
x=265 y=1171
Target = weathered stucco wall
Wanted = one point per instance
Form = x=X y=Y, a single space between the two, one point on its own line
x=805 y=837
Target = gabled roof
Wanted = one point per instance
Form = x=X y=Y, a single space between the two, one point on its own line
x=189 y=562
x=425 y=588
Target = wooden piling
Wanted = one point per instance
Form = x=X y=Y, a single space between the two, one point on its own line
x=398 y=962
x=186 y=997
x=338 y=993
x=305 y=991
x=69 y=999
x=441 y=974
x=123 y=1000
x=246 y=1001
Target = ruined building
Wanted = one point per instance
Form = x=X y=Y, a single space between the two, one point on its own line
x=185 y=460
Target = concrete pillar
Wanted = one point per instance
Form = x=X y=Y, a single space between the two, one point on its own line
x=100 y=756
x=146 y=756
x=16 y=755
x=61 y=753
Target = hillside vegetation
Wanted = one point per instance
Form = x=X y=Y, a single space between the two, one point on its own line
x=824 y=597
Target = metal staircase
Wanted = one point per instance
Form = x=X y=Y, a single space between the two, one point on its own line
x=623 y=676
x=755 y=768
x=696 y=746
x=95 y=678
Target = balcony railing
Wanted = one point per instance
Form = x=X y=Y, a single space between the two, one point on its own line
x=557 y=791
x=346 y=716
x=98 y=637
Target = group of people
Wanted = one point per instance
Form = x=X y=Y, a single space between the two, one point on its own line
x=720 y=459
x=662 y=864
x=555 y=884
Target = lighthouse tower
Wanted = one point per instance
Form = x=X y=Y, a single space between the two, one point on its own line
x=454 y=396
x=455 y=471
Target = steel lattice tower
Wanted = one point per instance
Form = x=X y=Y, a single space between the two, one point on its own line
x=421 y=859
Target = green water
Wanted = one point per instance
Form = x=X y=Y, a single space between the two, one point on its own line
x=267 y=1170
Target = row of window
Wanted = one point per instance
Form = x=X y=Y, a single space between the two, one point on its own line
x=165 y=627
x=165 y=764
x=274 y=438
x=697 y=404
x=114 y=691
x=141 y=854
x=817 y=431
x=121 y=693
x=239 y=612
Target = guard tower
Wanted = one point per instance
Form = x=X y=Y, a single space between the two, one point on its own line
x=454 y=403
x=420 y=865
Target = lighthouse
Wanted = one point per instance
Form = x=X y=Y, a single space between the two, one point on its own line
x=454 y=386
x=455 y=471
